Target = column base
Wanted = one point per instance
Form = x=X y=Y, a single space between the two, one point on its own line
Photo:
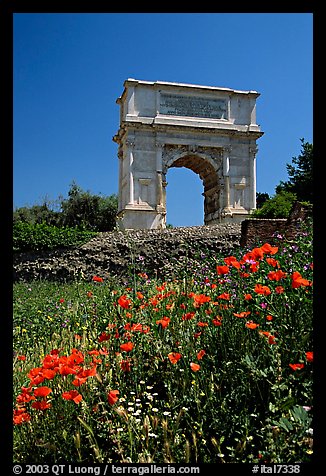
x=140 y=220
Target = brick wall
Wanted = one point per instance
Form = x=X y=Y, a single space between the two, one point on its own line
x=254 y=230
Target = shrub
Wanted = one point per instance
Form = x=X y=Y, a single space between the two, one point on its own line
x=40 y=236
x=278 y=206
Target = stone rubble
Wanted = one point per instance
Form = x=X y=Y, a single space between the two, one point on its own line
x=118 y=254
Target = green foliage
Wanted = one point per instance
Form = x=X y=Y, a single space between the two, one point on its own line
x=278 y=206
x=300 y=174
x=81 y=209
x=298 y=187
x=36 y=214
x=40 y=236
x=261 y=198
x=92 y=212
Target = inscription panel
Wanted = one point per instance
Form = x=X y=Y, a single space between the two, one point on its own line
x=191 y=106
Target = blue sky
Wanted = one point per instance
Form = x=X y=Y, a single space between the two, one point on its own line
x=69 y=69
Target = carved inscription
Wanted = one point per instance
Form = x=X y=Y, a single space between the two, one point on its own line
x=177 y=105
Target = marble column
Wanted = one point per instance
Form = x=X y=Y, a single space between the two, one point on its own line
x=252 y=174
x=226 y=176
x=130 y=159
x=159 y=198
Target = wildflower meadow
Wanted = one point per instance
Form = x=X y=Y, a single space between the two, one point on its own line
x=212 y=366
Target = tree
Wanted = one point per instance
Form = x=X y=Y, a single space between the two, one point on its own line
x=300 y=174
x=87 y=211
x=278 y=206
x=261 y=198
x=81 y=209
x=36 y=214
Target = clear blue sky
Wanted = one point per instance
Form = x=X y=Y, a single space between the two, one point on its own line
x=69 y=70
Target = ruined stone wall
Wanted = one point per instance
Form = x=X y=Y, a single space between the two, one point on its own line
x=162 y=253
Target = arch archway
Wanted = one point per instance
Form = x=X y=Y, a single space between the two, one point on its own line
x=184 y=198
x=207 y=164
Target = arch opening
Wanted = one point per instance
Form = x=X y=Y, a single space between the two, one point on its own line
x=184 y=198
x=208 y=174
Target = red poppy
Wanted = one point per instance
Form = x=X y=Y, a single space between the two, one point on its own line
x=188 y=316
x=50 y=361
x=279 y=289
x=127 y=347
x=61 y=300
x=273 y=262
x=248 y=297
x=113 y=396
x=251 y=325
x=87 y=372
x=225 y=296
x=232 y=261
x=298 y=280
x=271 y=339
x=66 y=370
x=25 y=396
x=257 y=253
x=276 y=275
x=41 y=405
x=194 y=367
x=242 y=314
x=124 y=302
x=34 y=372
x=200 y=299
x=217 y=321
x=42 y=391
x=21 y=357
x=310 y=356
x=72 y=395
x=125 y=365
x=76 y=357
x=202 y=324
x=174 y=357
x=97 y=279
x=296 y=366
x=269 y=249
x=21 y=416
x=164 y=322
x=222 y=269
x=104 y=336
x=269 y=318
x=201 y=354
x=260 y=289
x=77 y=382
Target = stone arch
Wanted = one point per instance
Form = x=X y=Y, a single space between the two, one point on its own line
x=209 y=130
x=207 y=164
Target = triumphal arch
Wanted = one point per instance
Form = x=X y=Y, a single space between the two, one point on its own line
x=210 y=130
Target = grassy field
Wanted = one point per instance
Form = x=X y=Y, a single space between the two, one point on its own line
x=216 y=367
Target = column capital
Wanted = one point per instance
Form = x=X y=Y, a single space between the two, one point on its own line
x=253 y=150
x=227 y=150
x=130 y=142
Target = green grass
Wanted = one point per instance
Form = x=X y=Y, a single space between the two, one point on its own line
x=240 y=402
